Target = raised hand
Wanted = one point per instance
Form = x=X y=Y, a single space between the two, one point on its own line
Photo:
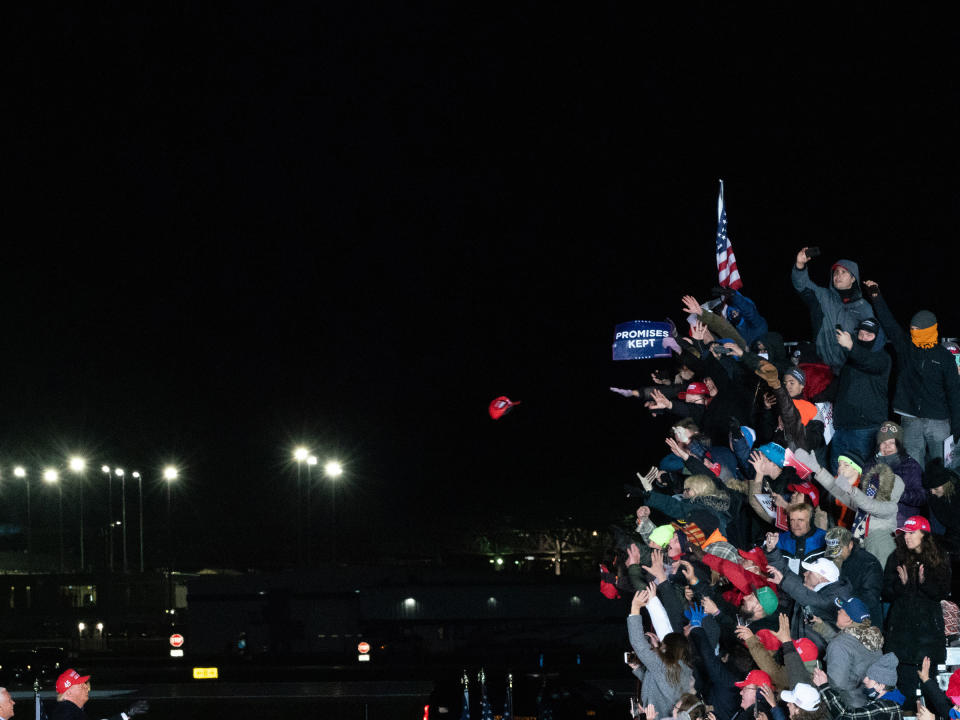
x=691 y=306
x=783 y=631
x=699 y=331
x=677 y=449
x=655 y=567
x=902 y=572
x=802 y=259
x=687 y=569
x=759 y=462
x=870 y=289
x=768 y=695
x=819 y=677
x=920 y=577
x=643 y=512
x=709 y=606
x=844 y=339
x=633 y=555
x=924 y=671
x=776 y=577
x=743 y=633
x=625 y=392
x=658 y=401
x=650 y=712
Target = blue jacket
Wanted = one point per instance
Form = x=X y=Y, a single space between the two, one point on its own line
x=748 y=321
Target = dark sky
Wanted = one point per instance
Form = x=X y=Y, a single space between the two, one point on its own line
x=231 y=229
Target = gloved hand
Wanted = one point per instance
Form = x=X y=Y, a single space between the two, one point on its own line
x=138 y=708
x=769 y=373
x=695 y=614
x=808 y=459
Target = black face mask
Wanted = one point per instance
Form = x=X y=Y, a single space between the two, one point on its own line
x=864 y=343
x=869 y=693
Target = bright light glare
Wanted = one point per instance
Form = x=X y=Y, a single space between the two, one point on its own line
x=312 y=460
x=118 y=472
x=105 y=469
x=300 y=454
x=333 y=469
x=170 y=473
x=100 y=627
x=51 y=475
x=136 y=474
x=19 y=471
x=81 y=626
x=78 y=464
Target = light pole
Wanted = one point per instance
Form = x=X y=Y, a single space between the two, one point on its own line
x=333 y=470
x=20 y=472
x=106 y=470
x=123 y=513
x=300 y=454
x=311 y=461
x=170 y=474
x=52 y=476
x=140 y=525
x=78 y=466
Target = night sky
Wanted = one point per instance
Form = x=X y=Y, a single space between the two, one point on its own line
x=231 y=229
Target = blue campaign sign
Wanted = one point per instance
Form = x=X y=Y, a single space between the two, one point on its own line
x=640 y=339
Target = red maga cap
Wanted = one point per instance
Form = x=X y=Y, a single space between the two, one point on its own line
x=917 y=522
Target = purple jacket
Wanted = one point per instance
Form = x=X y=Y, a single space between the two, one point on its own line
x=914 y=498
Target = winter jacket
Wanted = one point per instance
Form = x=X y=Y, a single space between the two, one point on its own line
x=914 y=498
x=808 y=548
x=750 y=323
x=821 y=603
x=914 y=627
x=849 y=653
x=928 y=385
x=862 y=392
x=880 y=709
x=947 y=512
x=865 y=574
x=709 y=512
x=835 y=312
x=656 y=688
x=877 y=534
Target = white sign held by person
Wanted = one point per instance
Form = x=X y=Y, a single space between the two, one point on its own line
x=642 y=339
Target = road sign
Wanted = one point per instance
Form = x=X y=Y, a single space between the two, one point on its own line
x=176 y=640
x=363 y=648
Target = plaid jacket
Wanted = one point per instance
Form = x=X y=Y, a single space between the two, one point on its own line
x=881 y=709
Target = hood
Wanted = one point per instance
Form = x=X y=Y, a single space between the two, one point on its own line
x=850 y=266
x=867 y=635
x=883 y=476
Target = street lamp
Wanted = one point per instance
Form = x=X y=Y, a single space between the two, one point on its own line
x=140 y=498
x=20 y=472
x=123 y=513
x=333 y=470
x=105 y=469
x=78 y=466
x=311 y=462
x=170 y=475
x=52 y=476
x=300 y=454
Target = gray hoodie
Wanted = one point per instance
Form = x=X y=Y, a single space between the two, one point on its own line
x=835 y=312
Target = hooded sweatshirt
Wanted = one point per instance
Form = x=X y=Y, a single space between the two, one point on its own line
x=844 y=309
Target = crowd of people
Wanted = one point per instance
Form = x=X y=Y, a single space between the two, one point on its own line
x=796 y=550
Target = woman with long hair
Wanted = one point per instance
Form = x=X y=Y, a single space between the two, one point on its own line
x=916 y=578
x=667 y=676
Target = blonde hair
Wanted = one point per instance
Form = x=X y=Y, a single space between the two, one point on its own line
x=700 y=485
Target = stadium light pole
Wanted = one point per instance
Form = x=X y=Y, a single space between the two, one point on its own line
x=300 y=454
x=21 y=472
x=333 y=470
x=106 y=470
x=170 y=474
x=123 y=513
x=311 y=462
x=140 y=502
x=53 y=477
x=78 y=467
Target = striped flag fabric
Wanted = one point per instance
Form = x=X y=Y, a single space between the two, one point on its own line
x=726 y=263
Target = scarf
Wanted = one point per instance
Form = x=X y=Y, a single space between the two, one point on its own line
x=924 y=338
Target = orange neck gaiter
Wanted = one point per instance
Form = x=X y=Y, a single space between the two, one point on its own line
x=924 y=338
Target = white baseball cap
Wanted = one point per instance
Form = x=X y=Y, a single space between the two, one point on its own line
x=803 y=696
x=823 y=566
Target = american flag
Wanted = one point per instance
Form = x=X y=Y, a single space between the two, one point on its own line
x=486 y=710
x=726 y=262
